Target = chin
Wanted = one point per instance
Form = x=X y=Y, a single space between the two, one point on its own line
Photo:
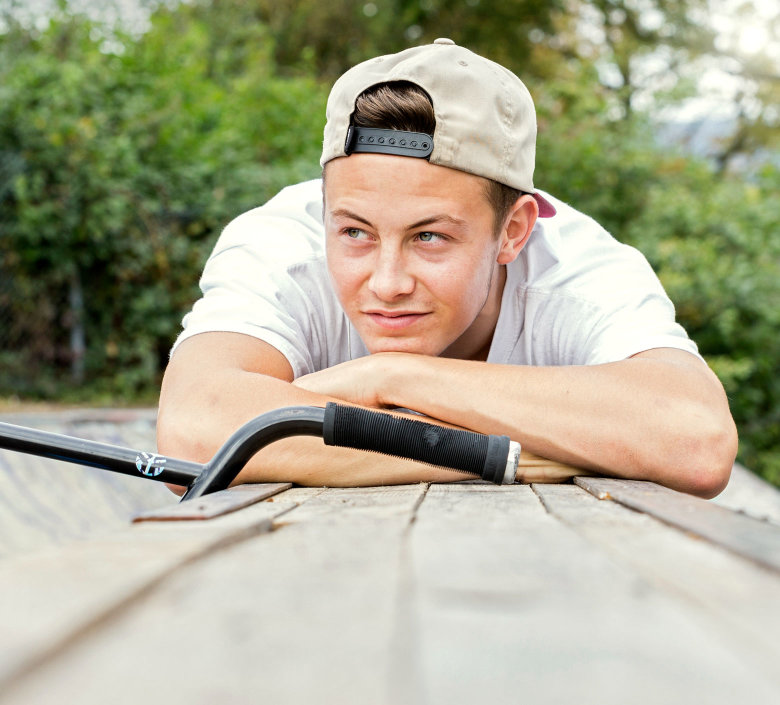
x=415 y=347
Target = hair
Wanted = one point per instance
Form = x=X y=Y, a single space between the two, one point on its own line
x=401 y=105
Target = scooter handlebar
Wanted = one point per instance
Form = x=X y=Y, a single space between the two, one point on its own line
x=493 y=458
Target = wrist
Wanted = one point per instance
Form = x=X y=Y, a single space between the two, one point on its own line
x=392 y=374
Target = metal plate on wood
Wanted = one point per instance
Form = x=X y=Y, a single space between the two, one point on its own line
x=216 y=504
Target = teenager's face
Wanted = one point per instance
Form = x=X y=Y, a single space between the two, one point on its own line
x=412 y=254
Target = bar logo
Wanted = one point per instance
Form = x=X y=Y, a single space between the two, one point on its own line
x=150 y=464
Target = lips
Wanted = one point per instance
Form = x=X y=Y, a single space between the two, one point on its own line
x=395 y=320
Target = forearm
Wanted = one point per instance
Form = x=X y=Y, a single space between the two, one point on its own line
x=199 y=411
x=194 y=422
x=643 y=418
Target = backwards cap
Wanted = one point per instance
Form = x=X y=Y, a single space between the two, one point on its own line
x=485 y=117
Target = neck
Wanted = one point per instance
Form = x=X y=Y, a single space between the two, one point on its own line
x=474 y=343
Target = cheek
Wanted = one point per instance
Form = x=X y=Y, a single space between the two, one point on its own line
x=463 y=285
x=346 y=276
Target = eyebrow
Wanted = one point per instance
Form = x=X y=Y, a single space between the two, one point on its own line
x=344 y=213
x=439 y=218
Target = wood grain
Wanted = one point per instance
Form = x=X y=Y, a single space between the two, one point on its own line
x=749 y=494
x=730 y=596
x=741 y=534
x=508 y=594
x=45 y=503
x=303 y=614
x=50 y=598
x=455 y=593
x=534 y=468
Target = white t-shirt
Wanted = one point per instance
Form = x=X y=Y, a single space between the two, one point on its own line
x=574 y=295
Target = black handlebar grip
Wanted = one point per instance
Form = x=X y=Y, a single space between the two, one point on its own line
x=476 y=453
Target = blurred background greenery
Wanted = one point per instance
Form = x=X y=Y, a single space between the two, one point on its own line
x=132 y=132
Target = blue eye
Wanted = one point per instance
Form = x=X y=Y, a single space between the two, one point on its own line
x=428 y=237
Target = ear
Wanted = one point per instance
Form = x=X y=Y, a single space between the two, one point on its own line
x=517 y=228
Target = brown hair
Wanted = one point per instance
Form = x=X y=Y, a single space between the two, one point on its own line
x=402 y=105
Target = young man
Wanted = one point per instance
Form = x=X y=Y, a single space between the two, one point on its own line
x=429 y=274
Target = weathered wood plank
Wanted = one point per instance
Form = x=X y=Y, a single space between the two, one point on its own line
x=748 y=494
x=52 y=597
x=467 y=593
x=745 y=536
x=45 y=502
x=733 y=597
x=507 y=603
x=304 y=614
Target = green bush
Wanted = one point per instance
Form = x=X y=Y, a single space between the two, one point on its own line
x=119 y=168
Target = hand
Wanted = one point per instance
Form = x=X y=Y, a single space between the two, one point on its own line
x=357 y=381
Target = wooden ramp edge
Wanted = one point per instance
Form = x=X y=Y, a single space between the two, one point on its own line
x=99 y=578
x=743 y=535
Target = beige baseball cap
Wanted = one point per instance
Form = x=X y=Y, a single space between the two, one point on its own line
x=485 y=116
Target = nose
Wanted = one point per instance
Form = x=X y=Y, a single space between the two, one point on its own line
x=390 y=278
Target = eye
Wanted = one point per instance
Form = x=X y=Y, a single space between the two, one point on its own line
x=356 y=233
x=430 y=237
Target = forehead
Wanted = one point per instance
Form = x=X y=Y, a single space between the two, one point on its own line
x=404 y=184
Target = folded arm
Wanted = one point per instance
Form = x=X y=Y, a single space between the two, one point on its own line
x=215 y=382
x=661 y=415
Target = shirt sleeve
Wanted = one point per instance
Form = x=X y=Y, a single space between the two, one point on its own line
x=636 y=325
x=247 y=283
x=599 y=302
x=572 y=329
x=630 y=311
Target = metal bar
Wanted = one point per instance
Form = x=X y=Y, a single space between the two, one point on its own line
x=222 y=469
x=81 y=451
x=486 y=456
x=215 y=504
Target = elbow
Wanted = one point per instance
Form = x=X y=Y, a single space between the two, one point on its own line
x=179 y=436
x=704 y=458
x=178 y=439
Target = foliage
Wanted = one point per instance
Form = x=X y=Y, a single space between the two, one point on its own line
x=118 y=170
x=658 y=51
x=330 y=37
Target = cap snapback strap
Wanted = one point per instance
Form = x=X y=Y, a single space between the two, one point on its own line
x=380 y=141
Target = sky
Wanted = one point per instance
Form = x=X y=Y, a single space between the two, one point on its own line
x=749 y=33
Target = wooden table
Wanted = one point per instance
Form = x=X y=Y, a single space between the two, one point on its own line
x=598 y=592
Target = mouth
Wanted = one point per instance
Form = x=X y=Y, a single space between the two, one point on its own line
x=394 y=320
